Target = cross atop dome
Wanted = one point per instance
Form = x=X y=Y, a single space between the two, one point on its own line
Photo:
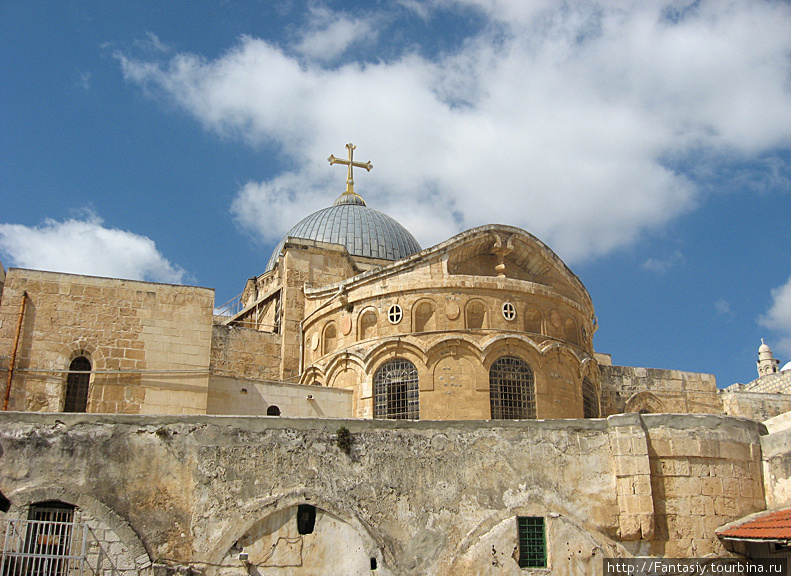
x=352 y=197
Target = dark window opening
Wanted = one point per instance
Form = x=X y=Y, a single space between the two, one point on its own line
x=273 y=411
x=590 y=402
x=396 y=392
x=373 y=563
x=306 y=518
x=532 y=542
x=5 y=503
x=77 y=385
x=511 y=389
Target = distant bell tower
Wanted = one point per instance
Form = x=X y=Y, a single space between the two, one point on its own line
x=766 y=361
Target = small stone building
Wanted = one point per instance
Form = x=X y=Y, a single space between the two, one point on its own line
x=364 y=407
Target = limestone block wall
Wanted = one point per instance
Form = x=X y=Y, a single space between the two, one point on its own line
x=424 y=498
x=705 y=472
x=236 y=396
x=754 y=405
x=148 y=344
x=630 y=389
x=244 y=353
x=776 y=449
x=777 y=383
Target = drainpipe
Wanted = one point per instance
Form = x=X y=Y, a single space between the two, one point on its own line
x=13 y=353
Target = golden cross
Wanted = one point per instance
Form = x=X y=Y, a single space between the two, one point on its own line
x=351 y=164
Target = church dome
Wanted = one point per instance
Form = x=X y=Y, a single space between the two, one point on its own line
x=362 y=230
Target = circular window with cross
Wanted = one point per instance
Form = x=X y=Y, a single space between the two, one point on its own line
x=509 y=312
x=394 y=314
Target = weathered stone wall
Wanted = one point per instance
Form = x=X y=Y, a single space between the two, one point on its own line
x=777 y=468
x=244 y=353
x=148 y=344
x=754 y=405
x=242 y=397
x=629 y=389
x=418 y=497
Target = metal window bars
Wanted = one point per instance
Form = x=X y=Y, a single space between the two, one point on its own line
x=396 y=391
x=44 y=548
x=511 y=389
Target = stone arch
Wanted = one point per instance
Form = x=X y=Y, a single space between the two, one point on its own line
x=462 y=342
x=253 y=512
x=329 y=338
x=476 y=315
x=534 y=320
x=644 y=403
x=570 y=331
x=424 y=316
x=367 y=323
x=311 y=375
x=512 y=342
x=391 y=348
x=489 y=548
x=96 y=510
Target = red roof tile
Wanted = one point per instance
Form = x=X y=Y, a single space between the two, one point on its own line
x=771 y=526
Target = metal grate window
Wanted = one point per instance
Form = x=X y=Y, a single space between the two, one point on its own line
x=77 y=385
x=48 y=543
x=396 y=391
x=511 y=389
x=590 y=402
x=532 y=542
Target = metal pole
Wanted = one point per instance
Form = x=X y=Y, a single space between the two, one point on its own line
x=13 y=354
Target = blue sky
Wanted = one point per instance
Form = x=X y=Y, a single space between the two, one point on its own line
x=647 y=143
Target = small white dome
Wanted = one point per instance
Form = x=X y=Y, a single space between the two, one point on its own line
x=786 y=367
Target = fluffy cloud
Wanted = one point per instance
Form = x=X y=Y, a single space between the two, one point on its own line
x=84 y=246
x=567 y=120
x=778 y=318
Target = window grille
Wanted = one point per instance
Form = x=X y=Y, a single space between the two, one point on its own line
x=77 y=385
x=47 y=543
x=590 y=402
x=396 y=391
x=532 y=542
x=394 y=314
x=511 y=389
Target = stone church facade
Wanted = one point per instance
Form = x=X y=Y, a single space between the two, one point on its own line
x=364 y=407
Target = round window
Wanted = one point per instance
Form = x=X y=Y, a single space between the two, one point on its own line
x=509 y=312
x=394 y=314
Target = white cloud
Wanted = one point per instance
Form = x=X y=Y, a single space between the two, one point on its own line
x=562 y=119
x=330 y=34
x=663 y=265
x=723 y=308
x=778 y=318
x=84 y=246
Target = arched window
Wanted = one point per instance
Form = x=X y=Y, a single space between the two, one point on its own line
x=424 y=315
x=511 y=389
x=590 y=402
x=330 y=337
x=77 y=385
x=475 y=315
x=273 y=411
x=368 y=325
x=396 y=391
x=533 y=320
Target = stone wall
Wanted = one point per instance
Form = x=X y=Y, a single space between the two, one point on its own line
x=424 y=498
x=629 y=389
x=244 y=353
x=148 y=344
x=247 y=397
x=778 y=383
x=777 y=468
x=758 y=406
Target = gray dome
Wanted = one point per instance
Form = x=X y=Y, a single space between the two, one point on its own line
x=363 y=231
